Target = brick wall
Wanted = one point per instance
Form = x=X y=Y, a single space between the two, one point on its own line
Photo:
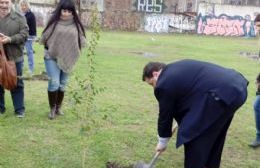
x=121 y=20
x=115 y=5
x=120 y=14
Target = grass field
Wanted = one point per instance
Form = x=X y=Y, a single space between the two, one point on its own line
x=124 y=130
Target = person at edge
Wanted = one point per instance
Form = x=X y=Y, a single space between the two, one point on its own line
x=256 y=142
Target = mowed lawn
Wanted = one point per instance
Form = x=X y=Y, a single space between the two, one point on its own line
x=123 y=127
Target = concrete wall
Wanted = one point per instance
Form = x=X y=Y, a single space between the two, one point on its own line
x=192 y=5
x=231 y=10
x=226 y=20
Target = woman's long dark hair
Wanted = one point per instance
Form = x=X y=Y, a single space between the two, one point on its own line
x=69 y=5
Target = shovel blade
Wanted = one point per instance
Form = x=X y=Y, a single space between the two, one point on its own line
x=142 y=165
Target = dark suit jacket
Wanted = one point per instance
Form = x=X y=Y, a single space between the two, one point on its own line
x=183 y=89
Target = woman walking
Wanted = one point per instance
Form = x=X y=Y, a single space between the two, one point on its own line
x=63 y=38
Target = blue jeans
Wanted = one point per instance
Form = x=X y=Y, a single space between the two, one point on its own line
x=17 y=94
x=57 y=78
x=257 y=116
x=29 y=50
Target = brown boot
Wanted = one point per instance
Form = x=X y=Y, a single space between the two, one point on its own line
x=59 y=103
x=52 y=102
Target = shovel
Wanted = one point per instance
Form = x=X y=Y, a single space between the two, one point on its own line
x=141 y=164
x=150 y=165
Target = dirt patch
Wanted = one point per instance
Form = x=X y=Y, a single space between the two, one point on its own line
x=41 y=77
x=116 y=165
x=145 y=54
x=251 y=55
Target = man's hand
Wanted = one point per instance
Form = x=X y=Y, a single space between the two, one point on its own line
x=160 y=148
x=162 y=144
x=4 y=39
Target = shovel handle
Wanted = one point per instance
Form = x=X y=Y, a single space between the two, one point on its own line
x=175 y=127
x=157 y=154
x=155 y=157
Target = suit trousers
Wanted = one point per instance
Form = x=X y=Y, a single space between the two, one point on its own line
x=205 y=150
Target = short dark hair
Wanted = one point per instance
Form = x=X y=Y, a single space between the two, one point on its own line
x=257 y=18
x=258 y=78
x=151 y=67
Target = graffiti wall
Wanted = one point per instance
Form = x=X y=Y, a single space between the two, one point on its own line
x=225 y=25
x=226 y=20
x=166 y=23
x=157 y=16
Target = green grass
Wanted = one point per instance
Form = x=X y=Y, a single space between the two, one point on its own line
x=128 y=132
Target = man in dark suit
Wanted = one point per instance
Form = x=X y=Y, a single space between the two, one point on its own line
x=202 y=97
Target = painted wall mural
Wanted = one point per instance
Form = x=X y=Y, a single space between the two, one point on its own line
x=169 y=23
x=225 y=25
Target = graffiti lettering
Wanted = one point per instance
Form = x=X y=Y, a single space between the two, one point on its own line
x=149 y=5
x=169 y=23
x=225 y=25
